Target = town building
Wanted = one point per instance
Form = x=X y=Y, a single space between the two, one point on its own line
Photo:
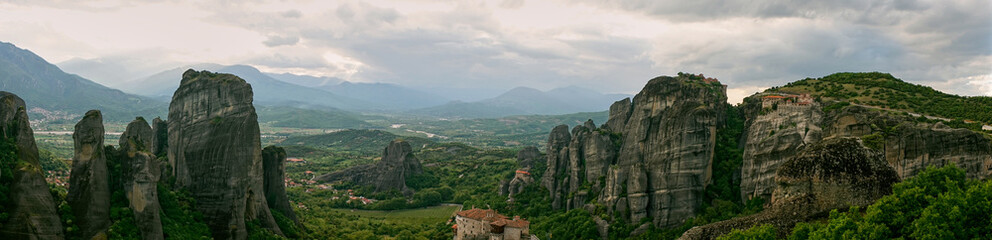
x=488 y=224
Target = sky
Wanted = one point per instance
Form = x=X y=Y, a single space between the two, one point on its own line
x=612 y=46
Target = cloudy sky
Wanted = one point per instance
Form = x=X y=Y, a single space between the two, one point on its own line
x=613 y=46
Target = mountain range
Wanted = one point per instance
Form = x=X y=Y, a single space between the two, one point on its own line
x=54 y=92
x=526 y=101
x=47 y=89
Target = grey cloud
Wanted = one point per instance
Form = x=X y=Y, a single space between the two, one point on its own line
x=275 y=41
x=292 y=14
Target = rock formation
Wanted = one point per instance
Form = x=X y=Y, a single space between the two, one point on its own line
x=140 y=177
x=215 y=152
x=771 y=139
x=522 y=176
x=31 y=210
x=527 y=156
x=831 y=174
x=89 y=187
x=160 y=141
x=397 y=163
x=772 y=136
x=651 y=159
x=273 y=161
x=910 y=146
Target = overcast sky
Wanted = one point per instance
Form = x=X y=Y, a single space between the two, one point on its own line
x=613 y=46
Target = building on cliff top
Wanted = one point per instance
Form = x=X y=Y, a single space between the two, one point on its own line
x=488 y=224
x=770 y=100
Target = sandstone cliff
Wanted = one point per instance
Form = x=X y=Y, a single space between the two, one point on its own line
x=651 y=159
x=215 y=152
x=398 y=162
x=160 y=141
x=140 y=176
x=89 y=187
x=831 y=174
x=772 y=136
x=274 y=160
x=32 y=212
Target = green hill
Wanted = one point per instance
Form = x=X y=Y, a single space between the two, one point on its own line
x=884 y=90
x=364 y=142
x=308 y=118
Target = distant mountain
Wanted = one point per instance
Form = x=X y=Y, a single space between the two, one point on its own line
x=392 y=96
x=45 y=86
x=388 y=96
x=306 y=80
x=527 y=101
x=268 y=90
x=113 y=72
x=163 y=84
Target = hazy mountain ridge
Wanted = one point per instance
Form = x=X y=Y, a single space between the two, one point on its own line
x=46 y=86
x=527 y=101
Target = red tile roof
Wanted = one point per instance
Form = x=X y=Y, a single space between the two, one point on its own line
x=481 y=214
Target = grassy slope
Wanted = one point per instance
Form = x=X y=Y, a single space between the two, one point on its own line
x=884 y=90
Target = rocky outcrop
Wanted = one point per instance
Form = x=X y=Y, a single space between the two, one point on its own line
x=651 y=159
x=215 y=152
x=140 y=175
x=619 y=114
x=771 y=138
x=398 y=162
x=31 y=210
x=160 y=139
x=667 y=150
x=522 y=176
x=833 y=174
x=910 y=146
x=273 y=161
x=527 y=156
x=89 y=187
x=588 y=154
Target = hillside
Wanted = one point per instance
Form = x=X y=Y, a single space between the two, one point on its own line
x=365 y=142
x=43 y=85
x=310 y=118
x=885 y=91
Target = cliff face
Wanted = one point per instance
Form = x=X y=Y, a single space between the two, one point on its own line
x=772 y=136
x=830 y=174
x=215 y=152
x=274 y=160
x=89 y=188
x=771 y=139
x=160 y=141
x=910 y=146
x=651 y=159
x=140 y=176
x=32 y=212
x=397 y=163
x=667 y=149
